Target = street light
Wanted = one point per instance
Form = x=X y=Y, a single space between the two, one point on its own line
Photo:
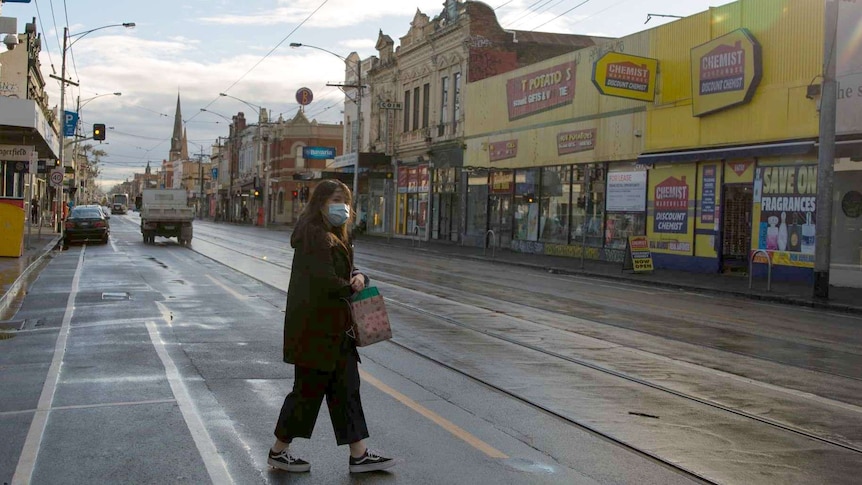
x=217 y=114
x=358 y=71
x=63 y=81
x=261 y=162
x=83 y=103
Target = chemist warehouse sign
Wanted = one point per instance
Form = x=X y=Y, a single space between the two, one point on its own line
x=725 y=72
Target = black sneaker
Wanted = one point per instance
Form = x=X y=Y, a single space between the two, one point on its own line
x=284 y=461
x=369 y=462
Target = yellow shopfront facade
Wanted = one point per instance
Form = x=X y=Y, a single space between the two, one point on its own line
x=712 y=157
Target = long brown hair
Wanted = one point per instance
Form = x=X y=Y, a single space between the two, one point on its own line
x=312 y=216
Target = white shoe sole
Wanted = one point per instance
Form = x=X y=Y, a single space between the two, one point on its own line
x=372 y=467
x=288 y=468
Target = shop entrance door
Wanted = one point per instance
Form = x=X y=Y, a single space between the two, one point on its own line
x=445 y=217
x=500 y=218
x=737 y=203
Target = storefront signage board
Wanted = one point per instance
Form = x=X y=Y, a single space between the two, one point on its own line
x=671 y=194
x=502 y=150
x=541 y=90
x=638 y=257
x=626 y=191
x=576 y=141
x=16 y=153
x=626 y=76
x=849 y=68
x=725 y=72
x=785 y=213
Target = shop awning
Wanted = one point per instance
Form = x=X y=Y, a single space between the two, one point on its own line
x=728 y=153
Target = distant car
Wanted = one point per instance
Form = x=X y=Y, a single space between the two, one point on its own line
x=106 y=210
x=86 y=223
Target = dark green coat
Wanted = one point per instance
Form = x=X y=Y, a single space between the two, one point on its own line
x=317 y=316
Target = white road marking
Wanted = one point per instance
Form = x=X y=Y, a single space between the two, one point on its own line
x=215 y=466
x=30 y=452
x=91 y=406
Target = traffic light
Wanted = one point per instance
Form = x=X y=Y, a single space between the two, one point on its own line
x=295 y=194
x=256 y=193
x=99 y=131
x=57 y=162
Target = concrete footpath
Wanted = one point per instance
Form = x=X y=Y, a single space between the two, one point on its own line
x=17 y=273
x=793 y=293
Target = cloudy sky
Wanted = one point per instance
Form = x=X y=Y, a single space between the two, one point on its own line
x=199 y=48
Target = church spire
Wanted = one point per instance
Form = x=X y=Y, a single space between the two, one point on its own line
x=177 y=136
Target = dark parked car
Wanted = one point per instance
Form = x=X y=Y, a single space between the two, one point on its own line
x=86 y=223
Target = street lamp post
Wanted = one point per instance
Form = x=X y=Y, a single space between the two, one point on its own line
x=63 y=81
x=79 y=105
x=264 y=164
x=358 y=100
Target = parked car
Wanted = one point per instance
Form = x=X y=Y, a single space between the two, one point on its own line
x=86 y=223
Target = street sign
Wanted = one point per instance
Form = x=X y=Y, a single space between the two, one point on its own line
x=390 y=105
x=57 y=177
x=16 y=153
x=304 y=96
x=70 y=123
x=318 y=153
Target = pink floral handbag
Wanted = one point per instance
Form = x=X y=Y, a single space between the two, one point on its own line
x=370 y=320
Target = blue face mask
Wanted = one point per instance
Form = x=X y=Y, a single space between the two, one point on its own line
x=338 y=214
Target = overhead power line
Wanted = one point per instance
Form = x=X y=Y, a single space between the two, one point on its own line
x=564 y=13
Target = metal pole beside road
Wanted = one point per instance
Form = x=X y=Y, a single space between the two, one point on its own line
x=826 y=155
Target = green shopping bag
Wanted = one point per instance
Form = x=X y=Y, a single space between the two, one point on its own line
x=367 y=293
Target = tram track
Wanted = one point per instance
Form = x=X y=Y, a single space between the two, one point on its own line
x=592 y=366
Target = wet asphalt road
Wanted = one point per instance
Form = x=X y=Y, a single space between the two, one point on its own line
x=181 y=381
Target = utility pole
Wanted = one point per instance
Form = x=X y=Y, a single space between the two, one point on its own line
x=201 y=170
x=826 y=155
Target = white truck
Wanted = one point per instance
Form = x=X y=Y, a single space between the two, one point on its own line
x=165 y=212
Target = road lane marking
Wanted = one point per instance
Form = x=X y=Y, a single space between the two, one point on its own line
x=228 y=289
x=444 y=423
x=91 y=406
x=215 y=466
x=30 y=452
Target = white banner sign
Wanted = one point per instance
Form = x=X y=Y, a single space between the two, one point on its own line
x=626 y=191
x=849 y=67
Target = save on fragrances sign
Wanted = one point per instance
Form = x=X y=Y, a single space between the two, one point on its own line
x=540 y=90
x=785 y=210
x=625 y=76
x=725 y=72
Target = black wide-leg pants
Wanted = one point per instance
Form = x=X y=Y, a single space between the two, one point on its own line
x=341 y=389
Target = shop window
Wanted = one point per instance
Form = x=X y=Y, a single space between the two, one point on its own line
x=588 y=201
x=477 y=200
x=619 y=227
x=526 y=210
x=555 y=202
x=406 y=111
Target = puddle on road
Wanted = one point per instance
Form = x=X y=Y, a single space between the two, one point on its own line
x=529 y=466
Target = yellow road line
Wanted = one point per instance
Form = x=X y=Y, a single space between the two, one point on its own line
x=227 y=288
x=436 y=418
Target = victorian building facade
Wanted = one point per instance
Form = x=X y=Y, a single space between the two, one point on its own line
x=416 y=113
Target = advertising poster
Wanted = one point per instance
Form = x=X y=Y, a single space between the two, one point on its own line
x=707 y=200
x=412 y=180
x=402 y=180
x=639 y=252
x=541 y=90
x=671 y=191
x=422 y=180
x=626 y=191
x=785 y=199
